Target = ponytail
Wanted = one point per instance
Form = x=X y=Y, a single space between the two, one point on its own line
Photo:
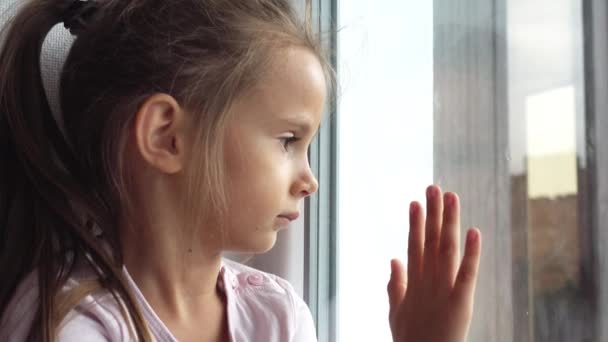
x=45 y=209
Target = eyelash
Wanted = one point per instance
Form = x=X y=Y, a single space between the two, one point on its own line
x=288 y=141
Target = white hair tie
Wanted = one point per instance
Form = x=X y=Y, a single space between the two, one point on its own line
x=54 y=53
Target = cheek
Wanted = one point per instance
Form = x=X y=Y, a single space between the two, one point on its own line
x=257 y=170
x=253 y=195
x=255 y=180
x=257 y=201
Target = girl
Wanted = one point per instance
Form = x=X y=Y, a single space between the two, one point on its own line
x=186 y=128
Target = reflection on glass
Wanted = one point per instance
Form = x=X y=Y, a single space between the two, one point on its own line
x=550 y=230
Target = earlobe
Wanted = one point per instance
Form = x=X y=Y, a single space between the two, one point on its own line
x=159 y=133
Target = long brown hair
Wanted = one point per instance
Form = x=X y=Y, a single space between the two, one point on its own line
x=54 y=188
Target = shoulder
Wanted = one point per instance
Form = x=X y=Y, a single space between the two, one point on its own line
x=84 y=327
x=19 y=315
x=262 y=300
x=96 y=317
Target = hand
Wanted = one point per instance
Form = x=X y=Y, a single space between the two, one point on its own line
x=433 y=301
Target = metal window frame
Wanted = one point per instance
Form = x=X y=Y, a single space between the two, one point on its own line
x=320 y=277
x=595 y=19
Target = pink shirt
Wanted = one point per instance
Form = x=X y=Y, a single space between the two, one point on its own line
x=260 y=307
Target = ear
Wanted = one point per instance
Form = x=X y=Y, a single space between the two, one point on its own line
x=160 y=133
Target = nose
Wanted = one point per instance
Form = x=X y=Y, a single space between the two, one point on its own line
x=306 y=185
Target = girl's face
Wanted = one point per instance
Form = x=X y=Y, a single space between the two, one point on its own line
x=267 y=139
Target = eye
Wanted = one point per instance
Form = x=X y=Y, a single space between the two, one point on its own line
x=287 y=141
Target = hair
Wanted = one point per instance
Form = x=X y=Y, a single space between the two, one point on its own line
x=55 y=187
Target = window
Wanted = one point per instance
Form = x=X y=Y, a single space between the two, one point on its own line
x=502 y=101
x=385 y=150
x=515 y=134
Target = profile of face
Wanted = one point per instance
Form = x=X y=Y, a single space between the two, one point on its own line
x=265 y=150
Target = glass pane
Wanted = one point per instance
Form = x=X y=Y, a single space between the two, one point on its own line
x=385 y=150
x=486 y=98
x=548 y=171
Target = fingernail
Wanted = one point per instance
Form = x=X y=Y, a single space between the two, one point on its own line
x=430 y=191
x=412 y=207
x=448 y=199
x=472 y=236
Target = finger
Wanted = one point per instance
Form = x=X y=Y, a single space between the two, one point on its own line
x=415 y=247
x=432 y=230
x=449 y=246
x=397 y=286
x=466 y=280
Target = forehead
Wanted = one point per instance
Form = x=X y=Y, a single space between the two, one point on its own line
x=293 y=89
x=295 y=69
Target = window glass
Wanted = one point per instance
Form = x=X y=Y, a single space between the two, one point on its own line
x=489 y=99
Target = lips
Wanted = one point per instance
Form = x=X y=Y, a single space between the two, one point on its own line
x=286 y=218
x=290 y=216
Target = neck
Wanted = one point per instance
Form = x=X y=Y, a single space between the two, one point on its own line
x=178 y=281
x=174 y=267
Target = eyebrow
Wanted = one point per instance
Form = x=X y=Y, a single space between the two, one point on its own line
x=301 y=123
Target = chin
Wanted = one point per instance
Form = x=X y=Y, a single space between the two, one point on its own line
x=257 y=244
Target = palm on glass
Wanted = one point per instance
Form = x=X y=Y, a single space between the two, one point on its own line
x=433 y=300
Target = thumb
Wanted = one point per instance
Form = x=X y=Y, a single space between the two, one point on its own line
x=397 y=286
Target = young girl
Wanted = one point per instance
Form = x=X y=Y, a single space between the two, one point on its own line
x=186 y=125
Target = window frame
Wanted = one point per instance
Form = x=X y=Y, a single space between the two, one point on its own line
x=595 y=21
x=320 y=259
